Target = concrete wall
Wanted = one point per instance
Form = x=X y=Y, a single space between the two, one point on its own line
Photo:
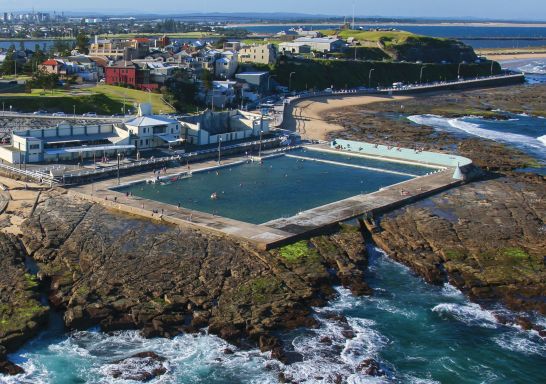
x=405 y=154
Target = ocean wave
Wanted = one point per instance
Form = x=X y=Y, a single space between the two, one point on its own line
x=536 y=145
x=525 y=343
x=469 y=313
x=535 y=68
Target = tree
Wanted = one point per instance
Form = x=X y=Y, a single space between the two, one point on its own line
x=9 y=64
x=207 y=79
x=44 y=80
x=82 y=43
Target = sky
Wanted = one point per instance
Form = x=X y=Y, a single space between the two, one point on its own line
x=482 y=9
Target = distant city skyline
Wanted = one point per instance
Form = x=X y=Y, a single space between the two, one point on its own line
x=482 y=9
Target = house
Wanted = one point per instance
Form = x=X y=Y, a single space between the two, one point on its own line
x=53 y=67
x=212 y=127
x=261 y=54
x=222 y=94
x=226 y=66
x=294 y=48
x=322 y=44
x=148 y=131
x=129 y=74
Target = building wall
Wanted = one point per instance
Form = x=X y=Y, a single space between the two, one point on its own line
x=261 y=54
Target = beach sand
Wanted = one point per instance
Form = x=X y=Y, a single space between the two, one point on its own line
x=307 y=116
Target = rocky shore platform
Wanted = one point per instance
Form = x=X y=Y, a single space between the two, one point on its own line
x=103 y=268
x=486 y=238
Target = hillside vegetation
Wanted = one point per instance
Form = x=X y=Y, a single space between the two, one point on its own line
x=321 y=74
x=406 y=46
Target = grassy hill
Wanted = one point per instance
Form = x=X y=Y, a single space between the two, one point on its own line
x=102 y=99
x=406 y=46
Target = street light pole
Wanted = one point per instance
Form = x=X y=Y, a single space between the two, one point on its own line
x=492 y=64
x=290 y=81
x=260 y=149
x=119 y=155
x=370 y=78
x=219 y=149
x=269 y=82
x=421 y=75
x=459 y=71
x=74 y=112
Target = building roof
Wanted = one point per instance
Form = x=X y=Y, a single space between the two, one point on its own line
x=150 y=121
x=50 y=62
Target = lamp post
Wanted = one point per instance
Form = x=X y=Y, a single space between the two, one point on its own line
x=492 y=65
x=370 y=77
x=74 y=111
x=459 y=71
x=269 y=82
x=260 y=149
x=421 y=75
x=290 y=81
x=119 y=155
x=219 y=149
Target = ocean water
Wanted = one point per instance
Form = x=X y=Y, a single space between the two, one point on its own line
x=526 y=133
x=534 y=69
x=417 y=332
x=280 y=187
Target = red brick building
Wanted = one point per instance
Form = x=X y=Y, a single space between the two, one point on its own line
x=127 y=73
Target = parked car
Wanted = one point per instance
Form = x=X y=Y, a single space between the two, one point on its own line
x=59 y=114
x=40 y=112
x=90 y=114
x=13 y=82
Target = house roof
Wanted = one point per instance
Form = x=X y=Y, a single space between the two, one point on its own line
x=150 y=121
x=50 y=62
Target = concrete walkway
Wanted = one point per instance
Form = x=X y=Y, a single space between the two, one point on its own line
x=270 y=234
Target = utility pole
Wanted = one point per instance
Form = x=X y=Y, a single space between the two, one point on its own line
x=370 y=78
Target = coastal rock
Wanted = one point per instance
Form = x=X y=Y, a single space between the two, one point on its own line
x=122 y=272
x=370 y=367
x=486 y=238
x=144 y=366
x=21 y=313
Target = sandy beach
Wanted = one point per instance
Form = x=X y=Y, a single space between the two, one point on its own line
x=308 y=115
x=516 y=56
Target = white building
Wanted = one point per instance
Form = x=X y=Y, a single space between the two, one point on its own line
x=74 y=142
x=211 y=127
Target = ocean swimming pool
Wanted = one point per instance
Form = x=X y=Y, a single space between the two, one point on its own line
x=279 y=187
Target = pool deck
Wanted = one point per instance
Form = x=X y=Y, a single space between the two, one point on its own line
x=273 y=233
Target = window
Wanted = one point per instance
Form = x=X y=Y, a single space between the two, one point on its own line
x=34 y=146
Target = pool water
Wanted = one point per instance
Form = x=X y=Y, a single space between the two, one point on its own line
x=280 y=187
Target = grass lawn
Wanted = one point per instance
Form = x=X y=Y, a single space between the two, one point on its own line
x=102 y=99
x=132 y=96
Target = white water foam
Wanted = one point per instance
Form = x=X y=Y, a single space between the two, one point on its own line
x=469 y=313
x=328 y=355
x=474 y=129
x=518 y=342
x=187 y=356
